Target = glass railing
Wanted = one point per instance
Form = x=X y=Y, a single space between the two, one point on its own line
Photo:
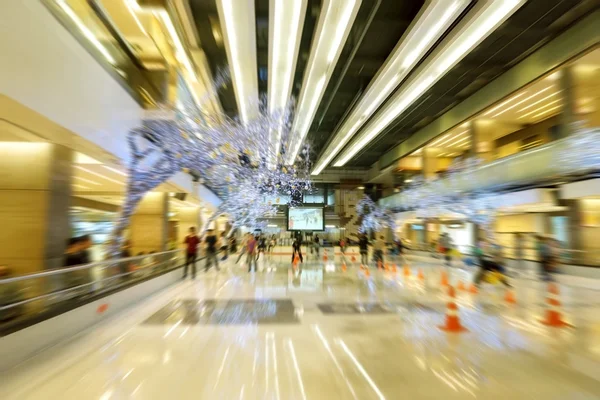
x=574 y=155
x=30 y=296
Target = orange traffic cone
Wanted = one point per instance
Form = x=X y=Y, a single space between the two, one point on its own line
x=553 y=314
x=473 y=289
x=325 y=256
x=387 y=267
x=452 y=320
x=367 y=273
x=379 y=265
x=444 y=279
x=421 y=276
x=353 y=259
x=509 y=297
x=344 y=268
x=406 y=271
x=394 y=268
x=461 y=286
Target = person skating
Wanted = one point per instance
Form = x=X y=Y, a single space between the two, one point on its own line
x=211 y=251
x=191 y=242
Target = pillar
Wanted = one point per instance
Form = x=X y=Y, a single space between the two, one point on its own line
x=35 y=195
x=187 y=217
x=474 y=139
x=428 y=163
x=148 y=229
x=568 y=112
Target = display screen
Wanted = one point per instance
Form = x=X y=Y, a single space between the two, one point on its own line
x=306 y=219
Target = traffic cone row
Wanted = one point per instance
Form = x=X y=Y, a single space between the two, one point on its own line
x=553 y=311
x=452 y=324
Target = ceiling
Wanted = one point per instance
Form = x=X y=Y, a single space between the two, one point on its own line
x=348 y=66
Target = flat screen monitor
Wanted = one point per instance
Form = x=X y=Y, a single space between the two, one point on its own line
x=306 y=219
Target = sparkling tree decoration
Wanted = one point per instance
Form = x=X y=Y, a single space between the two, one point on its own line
x=373 y=217
x=235 y=159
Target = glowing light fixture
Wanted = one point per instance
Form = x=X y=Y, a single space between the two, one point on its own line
x=86 y=31
x=116 y=171
x=483 y=19
x=539 y=109
x=181 y=54
x=97 y=174
x=433 y=20
x=539 y=101
x=238 y=23
x=332 y=30
x=521 y=102
x=499 y=106
x=87 y=180
x=547 y=111
x=285 y=31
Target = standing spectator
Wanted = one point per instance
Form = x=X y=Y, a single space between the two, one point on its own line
x=85 y=244
x=379 y=249
x=191 y=241
x=317 y=244
x=545 y=257
x=244 y=246
x=126 y=249
x=343 y=245
x=363 y=246
x=224 y=245
x=296 y=249
x=73 y=253
x=211 y=251
x=251 y=258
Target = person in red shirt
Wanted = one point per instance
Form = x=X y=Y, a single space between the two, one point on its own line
x=191 y=241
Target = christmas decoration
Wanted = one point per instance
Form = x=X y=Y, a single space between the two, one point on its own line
x=231 y=157
x=373 y=217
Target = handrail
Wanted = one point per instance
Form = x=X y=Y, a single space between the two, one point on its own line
x=58 y=271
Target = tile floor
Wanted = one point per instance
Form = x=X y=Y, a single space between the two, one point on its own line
x=326 y=334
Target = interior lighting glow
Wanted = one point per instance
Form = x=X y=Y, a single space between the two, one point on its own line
x=132 y=6
x=539 y=109
x=332 y=30
x=286 y=31
x=97 y=174
x=539 y=101
x=547 y=111
x=241 y=48
x=181 y=54
x=521 y=102
x=86 y=31
x=87 y=180
x=499 y=106
x=116 y=171
x=483 y=19
x=433 y=20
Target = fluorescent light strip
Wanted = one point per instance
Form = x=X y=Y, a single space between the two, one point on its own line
x=432 y=22
x=237 y=31
x=457 y=142
x=504 y=103
x=86 y=31
x=539 y=109
x=180 y=54
x=286 y=31
x=131 y=6
x=116 y=171
x=547 y=111
x=87 y=180
x=521 y=102
x=453 y=137
x=80 y=186
x=98 y=175
x=482 y=20
x=539 y=101
x=339 y=15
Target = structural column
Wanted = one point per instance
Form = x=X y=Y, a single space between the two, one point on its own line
x=428 y=163
x=149 y=229
x=568 y=113
x=35 y=195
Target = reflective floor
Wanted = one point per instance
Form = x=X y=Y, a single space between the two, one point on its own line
x=324 y=333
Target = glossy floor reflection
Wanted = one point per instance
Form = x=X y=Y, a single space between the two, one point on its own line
x=326 y=334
